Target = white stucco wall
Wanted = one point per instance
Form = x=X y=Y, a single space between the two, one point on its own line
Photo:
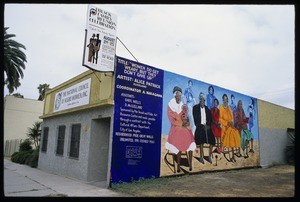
x=273 y=122
x=19 y=115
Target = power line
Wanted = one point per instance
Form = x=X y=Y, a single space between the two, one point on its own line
x=127 y=48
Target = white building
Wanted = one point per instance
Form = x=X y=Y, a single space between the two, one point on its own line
x=19 y=115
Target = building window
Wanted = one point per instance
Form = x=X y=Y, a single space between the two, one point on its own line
x=60 y=140
x=45 y=139
x=75 y=140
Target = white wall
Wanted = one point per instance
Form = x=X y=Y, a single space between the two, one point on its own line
x=272 y=146
x=19 y=115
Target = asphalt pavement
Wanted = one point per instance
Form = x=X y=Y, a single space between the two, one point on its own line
x=22 y=180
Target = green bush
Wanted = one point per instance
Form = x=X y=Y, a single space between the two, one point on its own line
x=21 y=157
x=26 y=155
x=13 y=156
x=25 y=146
x=33 y=159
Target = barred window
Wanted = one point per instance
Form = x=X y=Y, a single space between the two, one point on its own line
x=75 y=140
x=45 y=139
x=60 y=140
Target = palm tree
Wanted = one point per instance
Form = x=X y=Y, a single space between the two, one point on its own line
x=34 y=133
x=42 y=90
x=14 y=61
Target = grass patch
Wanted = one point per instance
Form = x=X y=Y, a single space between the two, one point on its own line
x=135 y=187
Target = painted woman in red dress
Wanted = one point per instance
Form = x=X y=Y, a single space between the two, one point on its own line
x=215 y=125
x=180 y=135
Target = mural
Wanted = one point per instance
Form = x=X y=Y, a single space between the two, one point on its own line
x=167 y=124
x=225 y=132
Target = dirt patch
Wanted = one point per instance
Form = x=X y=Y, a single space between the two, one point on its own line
x=276 y=181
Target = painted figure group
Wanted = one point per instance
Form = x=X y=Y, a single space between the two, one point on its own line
x=207 y=126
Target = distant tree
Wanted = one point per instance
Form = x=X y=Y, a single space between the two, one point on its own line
x=42 y=90
x=34 y=133
x=18 y=95
x=14 y=61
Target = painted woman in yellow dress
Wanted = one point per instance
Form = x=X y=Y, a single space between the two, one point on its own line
x=229 y=134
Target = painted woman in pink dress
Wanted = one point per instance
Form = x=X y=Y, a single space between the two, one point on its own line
x=180 y=135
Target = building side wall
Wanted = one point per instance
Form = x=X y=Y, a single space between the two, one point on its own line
x=273 y=122
x=19 y=115
x=272 y=147
x=65 y=165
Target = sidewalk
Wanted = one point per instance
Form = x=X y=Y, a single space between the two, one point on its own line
x=22 y=180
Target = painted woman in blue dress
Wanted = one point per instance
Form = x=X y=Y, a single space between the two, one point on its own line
x=251 y=113
x=190 y=101
x=210 y=97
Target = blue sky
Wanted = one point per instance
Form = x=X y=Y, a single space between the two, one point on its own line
x=244 y=48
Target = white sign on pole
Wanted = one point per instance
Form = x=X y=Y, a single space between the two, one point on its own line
x=100 y=40
x=74 y=96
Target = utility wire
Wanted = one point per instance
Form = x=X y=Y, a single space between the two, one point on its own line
x=127 y=48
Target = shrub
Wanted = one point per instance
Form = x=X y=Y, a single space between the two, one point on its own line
x=33 y=159
x=20 y=157
x=26 y=155
x=13 y=155
x=25 y=146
